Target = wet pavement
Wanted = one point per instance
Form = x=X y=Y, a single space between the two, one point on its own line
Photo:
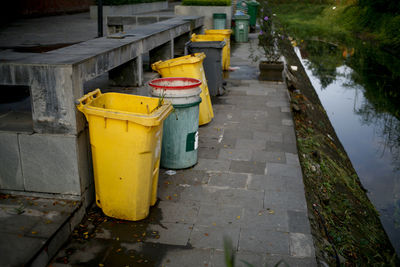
x=247 y=186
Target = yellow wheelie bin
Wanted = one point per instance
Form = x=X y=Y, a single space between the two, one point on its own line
x=226 y=33
x=125 y=136
x=190 y=66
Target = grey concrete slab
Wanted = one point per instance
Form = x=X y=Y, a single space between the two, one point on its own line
x=236 y=154
x=187 y=258
x=274 y=259
x=283 y=200
x=292 y=159
x=254 y=167
x=213 y=236
x=264 y=241
x=265 y=218
x=170 y=233
x=301 y=245
x=212 y=165
x=208 y=152
x=281 y=147
x=253 y=144
x=278 y=169
x=12 y=245
x=298 y=222
x=10 y=162
x=219 y=215
x=231 y=180
x=179 y=212
x=268 y=136
x=49 y=162
x=269 y=157
x=241 y=258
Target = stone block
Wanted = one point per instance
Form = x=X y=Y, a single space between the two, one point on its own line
x=11 y=246
x=213 y=236
x=10 y=162
x=298 y=222
x=269 y=157
x=278 y=169
x=283 y=200
x=273 y=260
x=187 y=258
x=268 y=136
x=179 y=212
x=281 y=147
x=235 y=154
x=208 y=153
x=144 y=20
x=264 y=241
x=255 y=259
x=226 y=179
x=212 y=165
x=268 y=219
x=219 y=215
x=40 y=260
x=247 y=167
x=292 y=159
x=170 y=233
x=49 y=163
x=301 y=245
x=59 y=238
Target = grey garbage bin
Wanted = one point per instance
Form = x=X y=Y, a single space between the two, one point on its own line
x=212 y=63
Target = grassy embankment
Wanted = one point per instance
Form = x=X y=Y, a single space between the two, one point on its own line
x=346 y=226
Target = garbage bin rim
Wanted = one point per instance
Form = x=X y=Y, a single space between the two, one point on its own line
x=207 y=44
x=195 y=83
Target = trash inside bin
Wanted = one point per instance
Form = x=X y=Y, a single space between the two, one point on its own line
x=190 y=66
x=212 y=63
x=241 y=28
x=180 y=136
x=125 y=136
x=226 y=33
x=219 y=20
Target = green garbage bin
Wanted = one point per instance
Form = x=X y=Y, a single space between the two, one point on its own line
x=219 y=21
x=180 y=135
x=252 y=9
x=241 y=28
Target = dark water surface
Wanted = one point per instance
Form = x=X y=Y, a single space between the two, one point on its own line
x=359 y=88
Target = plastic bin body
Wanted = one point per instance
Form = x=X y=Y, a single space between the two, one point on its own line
x=125 y=136
x=212 y=63
x=219 y=20
x=252 y=9
x=241 y=28
x=180 y=137
x=214 y=38
x=190 y=66
x=226 y=60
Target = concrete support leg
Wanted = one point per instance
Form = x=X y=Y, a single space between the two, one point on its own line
x=128 y=74
x=163 y=52
x=179 y=44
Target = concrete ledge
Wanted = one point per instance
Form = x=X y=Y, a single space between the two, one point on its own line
x=129 y=9
x=207 y=12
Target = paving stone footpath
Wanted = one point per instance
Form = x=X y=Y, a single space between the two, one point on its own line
x=247 y=186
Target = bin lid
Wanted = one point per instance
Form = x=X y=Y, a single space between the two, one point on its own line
x=211 y=44
x=206 y=37
x=253 y=3
x=219 y=16
x=241 y=17
x=216 y=32
x=175 y=83
x=189 y=59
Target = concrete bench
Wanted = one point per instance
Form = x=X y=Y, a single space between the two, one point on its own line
x=54 y=157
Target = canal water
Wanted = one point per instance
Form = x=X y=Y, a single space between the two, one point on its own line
x=359 y=88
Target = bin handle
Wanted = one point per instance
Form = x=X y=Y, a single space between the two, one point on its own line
x=87 y=99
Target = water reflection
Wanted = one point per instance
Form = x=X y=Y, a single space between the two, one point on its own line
x=358 y=87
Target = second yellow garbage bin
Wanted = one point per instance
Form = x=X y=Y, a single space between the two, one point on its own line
x=190 y=66
x=125 y=136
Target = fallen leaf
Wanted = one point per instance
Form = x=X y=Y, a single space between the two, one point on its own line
x=259 y=214
x=169 y=197
x=271 y=211
x=34 y=232
x=175 y=195
x=101 y=265
x=119 y=250
x=117 y=238
x=214 y=224
x=206 y=234
x=238 y=217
